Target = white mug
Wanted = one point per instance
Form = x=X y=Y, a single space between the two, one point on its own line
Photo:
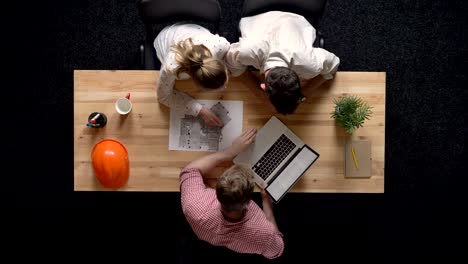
x=123 y=105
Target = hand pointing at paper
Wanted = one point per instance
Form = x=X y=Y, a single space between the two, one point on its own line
x=209 y=117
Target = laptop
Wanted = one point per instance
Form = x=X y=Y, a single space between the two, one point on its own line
x=278 y=158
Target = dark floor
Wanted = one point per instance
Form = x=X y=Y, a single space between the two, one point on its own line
x=420 y=44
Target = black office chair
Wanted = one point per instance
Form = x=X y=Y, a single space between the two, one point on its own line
x=312 y=10
x=156 y=14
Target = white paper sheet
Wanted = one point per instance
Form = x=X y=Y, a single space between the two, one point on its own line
x=190 y=133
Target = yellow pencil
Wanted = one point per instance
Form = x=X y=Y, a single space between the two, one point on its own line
x=354 y=158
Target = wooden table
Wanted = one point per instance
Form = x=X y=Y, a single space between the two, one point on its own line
x=145 y=131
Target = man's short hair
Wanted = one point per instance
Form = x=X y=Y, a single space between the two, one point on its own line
x=283 y=88
x=234 y=188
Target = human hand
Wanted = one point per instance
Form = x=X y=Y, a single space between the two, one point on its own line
x=209 y=117
x=242 y=142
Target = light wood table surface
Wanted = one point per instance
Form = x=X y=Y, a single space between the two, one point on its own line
x=145 y=131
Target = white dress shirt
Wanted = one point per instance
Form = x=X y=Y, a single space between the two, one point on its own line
x=172 y=35
x=274 y=39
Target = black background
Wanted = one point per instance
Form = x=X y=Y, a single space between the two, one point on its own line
x=421 y=45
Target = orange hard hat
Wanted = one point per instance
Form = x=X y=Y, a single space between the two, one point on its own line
x=110 y=163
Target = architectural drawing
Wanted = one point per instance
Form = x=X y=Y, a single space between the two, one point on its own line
x=193 y=134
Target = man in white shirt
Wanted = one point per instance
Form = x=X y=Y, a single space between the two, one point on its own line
x=279 y=44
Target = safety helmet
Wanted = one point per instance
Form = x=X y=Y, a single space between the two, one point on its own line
x=110 y=163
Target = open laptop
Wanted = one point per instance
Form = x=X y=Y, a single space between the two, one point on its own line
x=278 y=158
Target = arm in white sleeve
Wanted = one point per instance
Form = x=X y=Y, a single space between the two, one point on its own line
x=328 y=61
x=246 y=52
x=171 y=97
x=232 y=60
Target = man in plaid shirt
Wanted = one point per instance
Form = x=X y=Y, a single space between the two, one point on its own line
x=226 y=216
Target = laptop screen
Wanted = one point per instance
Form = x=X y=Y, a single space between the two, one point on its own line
x=291 y=173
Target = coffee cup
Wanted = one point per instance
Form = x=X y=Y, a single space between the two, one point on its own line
x=123 y=105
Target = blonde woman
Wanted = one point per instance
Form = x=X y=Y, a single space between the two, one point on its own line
x=190 y=51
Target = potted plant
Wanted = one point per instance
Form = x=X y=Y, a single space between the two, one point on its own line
x=350 y=112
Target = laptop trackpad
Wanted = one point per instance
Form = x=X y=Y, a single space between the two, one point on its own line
x=291 y=173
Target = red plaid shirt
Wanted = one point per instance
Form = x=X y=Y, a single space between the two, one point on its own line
x=253 y=234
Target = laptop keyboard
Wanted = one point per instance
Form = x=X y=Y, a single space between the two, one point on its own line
x=273 y=157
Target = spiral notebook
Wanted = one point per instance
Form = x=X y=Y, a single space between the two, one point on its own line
x=358 y=159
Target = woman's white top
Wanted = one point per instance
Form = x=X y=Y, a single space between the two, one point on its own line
x=170 y=36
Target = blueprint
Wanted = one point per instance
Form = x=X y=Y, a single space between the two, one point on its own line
x=190 y=133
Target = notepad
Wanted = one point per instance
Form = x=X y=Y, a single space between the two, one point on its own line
x=358 y=165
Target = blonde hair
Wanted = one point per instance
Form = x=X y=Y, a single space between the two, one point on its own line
x=198 y=62
x=235 y=187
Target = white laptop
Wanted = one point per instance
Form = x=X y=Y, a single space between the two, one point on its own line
x=278 y=158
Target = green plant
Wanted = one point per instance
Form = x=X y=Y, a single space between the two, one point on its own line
x=350 y=112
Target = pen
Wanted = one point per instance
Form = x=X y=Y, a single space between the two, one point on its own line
x=354 y=158
x=93 y=121
x=92 y=125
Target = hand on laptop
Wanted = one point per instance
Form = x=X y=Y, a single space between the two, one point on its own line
x=209 y=117
x=242 y=142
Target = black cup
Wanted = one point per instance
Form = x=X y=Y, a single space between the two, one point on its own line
x=101 y=120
